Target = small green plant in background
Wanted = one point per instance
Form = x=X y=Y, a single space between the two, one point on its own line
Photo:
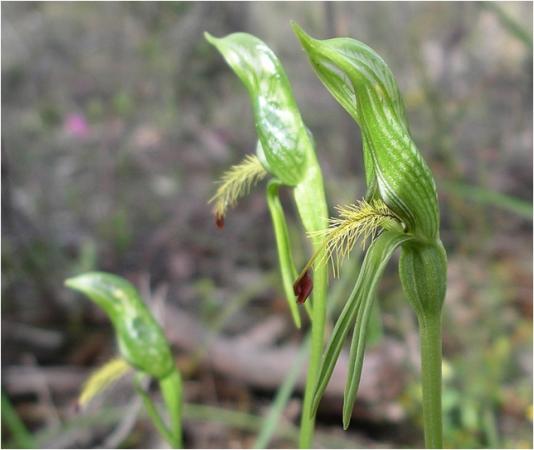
x=142 y=346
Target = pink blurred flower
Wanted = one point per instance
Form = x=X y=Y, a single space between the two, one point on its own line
x=76 y=125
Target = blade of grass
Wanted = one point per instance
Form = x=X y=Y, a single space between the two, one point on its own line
x=225 y=314
x=270 y=423
x=491 y=198
x=253 y=423
x=509 y=23
x=19 y=433
x=230 y=308
x=192 y=412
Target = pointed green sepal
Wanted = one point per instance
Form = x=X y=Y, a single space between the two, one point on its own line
x=285 y=257
x=375 y=261
x=357 y=351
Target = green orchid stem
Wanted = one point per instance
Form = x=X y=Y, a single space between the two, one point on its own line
x=171 y=391
x=430 y=336
x=152 y=411
x=307 y=421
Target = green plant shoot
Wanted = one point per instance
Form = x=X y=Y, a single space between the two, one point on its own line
x=400 y=210
x=142 y=346
x=284 y=152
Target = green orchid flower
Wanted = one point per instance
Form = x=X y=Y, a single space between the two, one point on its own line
x=400 y=210
x=142 y=345
x=285 y=153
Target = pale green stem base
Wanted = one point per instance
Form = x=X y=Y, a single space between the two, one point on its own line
x=430 y=335
x=307 y=421
x=171 y=391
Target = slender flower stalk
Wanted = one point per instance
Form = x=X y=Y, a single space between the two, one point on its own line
x=400 y=210
x=285 y=149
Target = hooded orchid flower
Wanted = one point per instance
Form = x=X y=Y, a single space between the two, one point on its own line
x=400 y=210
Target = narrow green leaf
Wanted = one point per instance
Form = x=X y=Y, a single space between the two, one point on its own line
x=141 y=340
x=509 y=23
x=12 y=422
x=285 y=144
x=373 y=265
x=375 y=329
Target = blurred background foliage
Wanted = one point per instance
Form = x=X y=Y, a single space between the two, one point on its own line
x=117 y=118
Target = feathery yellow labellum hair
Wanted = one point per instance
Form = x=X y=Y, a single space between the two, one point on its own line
x=236 y=182
x=362 y=220
x=102 y=378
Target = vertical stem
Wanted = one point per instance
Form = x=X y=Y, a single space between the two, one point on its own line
x=307 y=421
x=430 y=335
x=171 y=390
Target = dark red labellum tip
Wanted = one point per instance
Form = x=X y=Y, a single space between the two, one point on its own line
x=303 y=287
x=219 y=221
